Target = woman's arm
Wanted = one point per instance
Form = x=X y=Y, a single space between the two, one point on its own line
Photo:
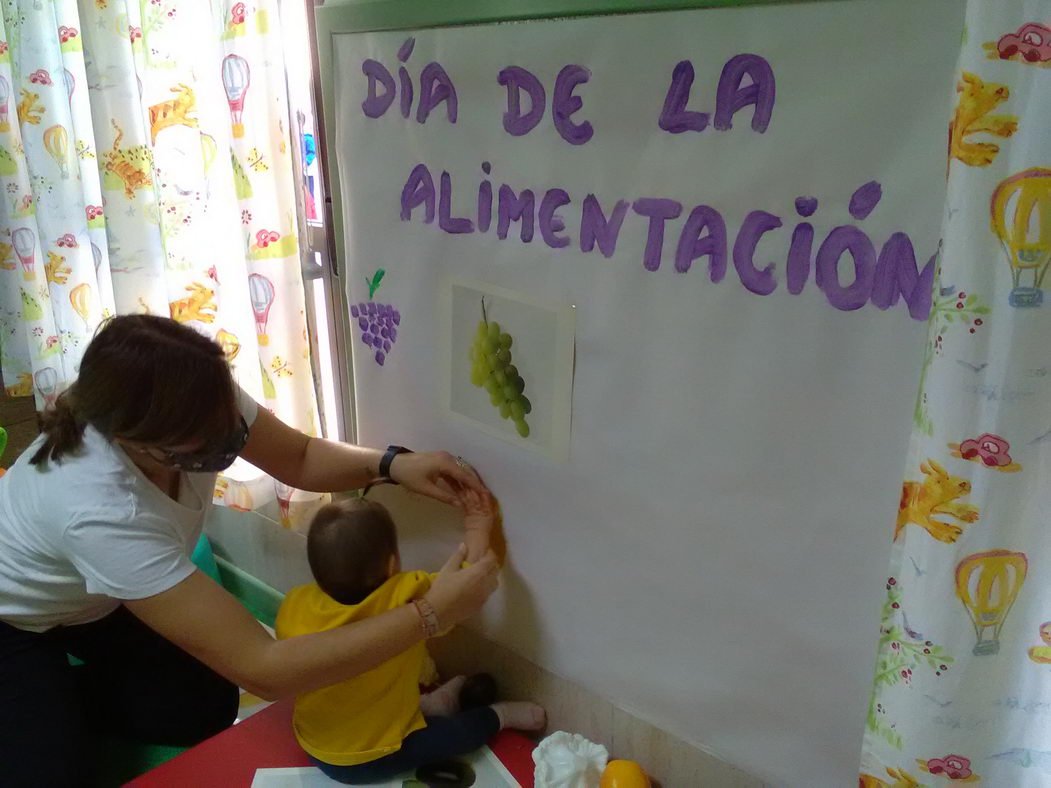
x=201 y=618
x=329 y=466
x=204 y=620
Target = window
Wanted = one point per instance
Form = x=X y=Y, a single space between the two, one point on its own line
x=323 y=289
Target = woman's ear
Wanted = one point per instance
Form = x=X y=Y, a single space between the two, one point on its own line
x=393 y=565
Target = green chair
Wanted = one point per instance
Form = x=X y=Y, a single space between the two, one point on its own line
x=205 y=560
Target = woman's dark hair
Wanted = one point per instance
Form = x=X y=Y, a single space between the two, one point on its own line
x=349 y=547
x=145 y=379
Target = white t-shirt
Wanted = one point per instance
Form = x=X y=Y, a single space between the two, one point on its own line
x=78 y=536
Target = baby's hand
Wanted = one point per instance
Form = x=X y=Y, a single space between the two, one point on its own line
x=476 y=504
x=479 y=514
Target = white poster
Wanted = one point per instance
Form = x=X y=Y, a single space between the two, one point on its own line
x=740 y=208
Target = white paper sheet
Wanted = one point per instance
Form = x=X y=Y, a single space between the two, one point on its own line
x=711 y=556
x=488 y=771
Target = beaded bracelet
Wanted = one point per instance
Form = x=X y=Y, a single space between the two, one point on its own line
x=428 y=618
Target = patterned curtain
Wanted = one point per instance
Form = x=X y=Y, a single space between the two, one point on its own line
x=145 y=166
x=962 y=692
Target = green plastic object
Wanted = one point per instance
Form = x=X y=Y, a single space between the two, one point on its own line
x=3 y=441
x=205 y=560
x=261 y=600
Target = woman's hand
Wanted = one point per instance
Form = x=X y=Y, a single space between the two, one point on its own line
x=458 y=593
x=436 y=474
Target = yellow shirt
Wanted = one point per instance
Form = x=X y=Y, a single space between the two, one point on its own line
x=366 y=717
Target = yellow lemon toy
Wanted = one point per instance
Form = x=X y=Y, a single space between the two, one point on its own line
x=624 y=774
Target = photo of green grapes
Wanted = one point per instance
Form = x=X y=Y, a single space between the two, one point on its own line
x=492 y=369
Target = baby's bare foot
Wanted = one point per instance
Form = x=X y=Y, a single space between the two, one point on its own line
x=520 y=716
x=444 y=701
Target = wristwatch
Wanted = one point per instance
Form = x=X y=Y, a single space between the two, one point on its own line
x=392 y=452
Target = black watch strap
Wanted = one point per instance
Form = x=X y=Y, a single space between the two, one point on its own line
x=388 y=458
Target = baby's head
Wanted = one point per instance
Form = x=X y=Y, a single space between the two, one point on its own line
x=352 y=547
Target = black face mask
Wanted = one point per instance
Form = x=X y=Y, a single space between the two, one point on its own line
x=211 y=460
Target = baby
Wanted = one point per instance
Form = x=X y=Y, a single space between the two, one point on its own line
x=376 y=726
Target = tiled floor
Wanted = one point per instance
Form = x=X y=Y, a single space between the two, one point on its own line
x=18 y=417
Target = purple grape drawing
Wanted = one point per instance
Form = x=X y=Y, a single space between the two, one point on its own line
x=378 y=323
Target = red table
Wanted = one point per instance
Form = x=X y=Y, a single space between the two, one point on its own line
x=264 y=740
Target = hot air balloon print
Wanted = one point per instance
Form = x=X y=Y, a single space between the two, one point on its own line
x=46 y=381
x=1021 y=219
x=988 y=584
x=5 y=95
x=209 y=150
x=56 y=143
x=236 y=78
x=284 y=501
x=24 y=241
x=261 y=291
x=80 y=298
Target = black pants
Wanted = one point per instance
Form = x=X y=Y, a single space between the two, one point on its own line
x=134 y=685
x=443 y=738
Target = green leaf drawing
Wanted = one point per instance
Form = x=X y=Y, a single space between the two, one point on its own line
x=209 y=150
x=7 y=163
x=898 y=654
x=242 y=185
x=43 y=351
x=944 y=314
x=374 y=283
x=31 y=309
x=268 y=383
